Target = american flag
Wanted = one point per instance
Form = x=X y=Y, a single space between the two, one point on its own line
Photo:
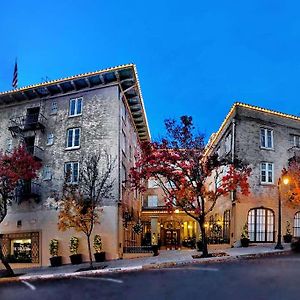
x=15 y=76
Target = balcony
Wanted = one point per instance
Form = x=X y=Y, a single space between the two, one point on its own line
x=36 y=152
x=151 y=208
x=36 y=121
x=28 y=190
x=31 y=121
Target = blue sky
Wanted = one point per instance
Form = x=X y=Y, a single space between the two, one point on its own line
x=193 y=57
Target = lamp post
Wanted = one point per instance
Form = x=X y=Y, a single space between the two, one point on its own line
x=285 y=181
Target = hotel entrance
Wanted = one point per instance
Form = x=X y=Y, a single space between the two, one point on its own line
x=172 y=238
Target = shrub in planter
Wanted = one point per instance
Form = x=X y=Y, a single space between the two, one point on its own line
x=295 y=245
x=155 y=250
x=245 y=236
x=287 y=238
x=97 y=243
x=55 y=259
x=75 y=257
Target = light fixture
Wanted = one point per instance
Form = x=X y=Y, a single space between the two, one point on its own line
x=176 y=211
x=285 y=180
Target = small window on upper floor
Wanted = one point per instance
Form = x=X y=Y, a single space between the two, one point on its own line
x=75 y=107
x=266 y=138
x=228 y=143
x=152 y=184
x=54 y=108
x=123 y=112
x=50 y=139
x=295 y=140
x=9 y=145
x=47 y=173
x=152 y=200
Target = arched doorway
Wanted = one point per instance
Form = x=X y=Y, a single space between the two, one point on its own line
x=297 y=224
x=261 y=225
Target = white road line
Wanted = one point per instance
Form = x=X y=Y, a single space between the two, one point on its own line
x=187 y=268
x=100 y=278
x=31 y=286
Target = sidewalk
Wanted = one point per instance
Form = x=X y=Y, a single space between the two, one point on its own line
x=164 y=259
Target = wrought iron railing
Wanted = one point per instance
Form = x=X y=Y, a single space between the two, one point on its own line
x=137 y=249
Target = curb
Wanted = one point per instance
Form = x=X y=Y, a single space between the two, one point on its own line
x=32 y=278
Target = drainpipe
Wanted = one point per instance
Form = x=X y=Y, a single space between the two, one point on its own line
x=233 y=208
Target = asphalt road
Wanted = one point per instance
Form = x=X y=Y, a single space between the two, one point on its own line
x=255 y=279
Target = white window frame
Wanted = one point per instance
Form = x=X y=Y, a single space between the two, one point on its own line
x=152 y=201
x=76 y=100
x=47 y=173
x=54 y=108
x=71 y=179
x=9 y=145
x=124 y=142
x=50 y=139
x=296 y=140
x=266 y=167
x=73 y=138
x=265 y=135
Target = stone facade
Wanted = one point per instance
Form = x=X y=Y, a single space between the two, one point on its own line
x=245 y=134
x=108 y=121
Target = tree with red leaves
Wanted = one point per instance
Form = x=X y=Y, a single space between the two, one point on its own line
x=191 y=179
x=14 y=167
x=292 y=172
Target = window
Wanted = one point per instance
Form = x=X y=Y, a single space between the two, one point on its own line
x=152 y=200
x=124 y=175
x=75 y=108
x=297 y=224
x=72 y=172
x=266 y=172
x=47 y=174
x=50 y=139
x=53 y=108
x=226 y=225
x=228 y=143
x=266 y=138
x=261 y=225
x=73 y=138
x=152 y=184
x=9 y=145
x=123 y=142
x=295 y=140
x=123 y=112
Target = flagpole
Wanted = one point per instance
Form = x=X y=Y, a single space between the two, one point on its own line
x=15 y=76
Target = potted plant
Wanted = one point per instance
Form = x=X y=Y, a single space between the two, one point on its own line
x=55 y=260
x=287 y=238
x=245 y=236
x=75 y=257
x=99 y=255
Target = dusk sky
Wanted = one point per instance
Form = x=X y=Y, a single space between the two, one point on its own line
x=193 y=57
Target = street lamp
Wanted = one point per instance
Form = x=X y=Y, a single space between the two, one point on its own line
x=285 y=181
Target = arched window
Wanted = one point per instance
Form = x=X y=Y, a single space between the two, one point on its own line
x=261 y=225
x=297 y=224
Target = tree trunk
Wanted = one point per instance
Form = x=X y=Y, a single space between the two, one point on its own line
x=90 y=251
x=203 y=236
x=9 y=270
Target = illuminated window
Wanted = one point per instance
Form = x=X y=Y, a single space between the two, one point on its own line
x=261 y=225
x=297 y=224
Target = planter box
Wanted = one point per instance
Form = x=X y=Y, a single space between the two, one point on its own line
x=56 y=261
x=287 y=238
x=245 y=242
x=76 y=259
x=99 y=257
